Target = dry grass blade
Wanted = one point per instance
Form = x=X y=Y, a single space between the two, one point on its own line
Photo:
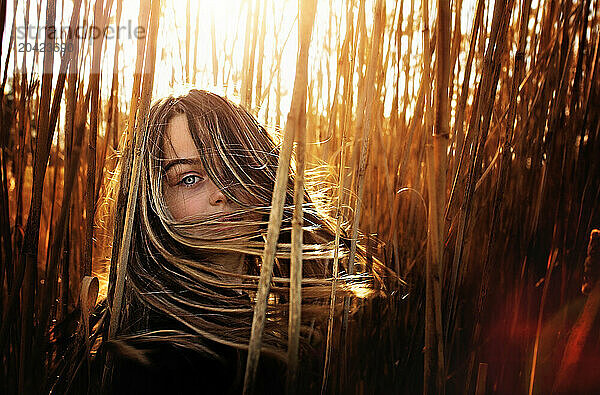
x=143 y=19
x=436 y=180
x=141 y=125
x=345 y=117
x=493 y=56
x=551 y=264
x=481 y=379
x=297 y=244
x=457 y=129
x=90 y=200
x=306 y=18
x=261 y=53
x=112 y=111
x=28 y=255
x=68 y=60
x=430 y=366
x=371 y=94
x=57 y=242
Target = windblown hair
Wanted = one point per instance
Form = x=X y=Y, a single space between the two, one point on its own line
x=174 y=292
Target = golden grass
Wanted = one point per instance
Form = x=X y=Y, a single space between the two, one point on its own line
x=487 y=113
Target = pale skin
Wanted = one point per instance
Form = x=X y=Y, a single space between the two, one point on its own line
x=188 y=191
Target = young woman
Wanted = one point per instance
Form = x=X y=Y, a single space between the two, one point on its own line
x=206 y=184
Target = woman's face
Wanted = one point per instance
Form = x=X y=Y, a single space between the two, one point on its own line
x=188 y=191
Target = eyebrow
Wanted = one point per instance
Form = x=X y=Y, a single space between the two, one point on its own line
x=181 y=161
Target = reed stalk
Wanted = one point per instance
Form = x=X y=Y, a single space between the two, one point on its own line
x=67 y=61
x=493 y=56
x=457 y=129
x=295 y=117
x=28 y=252
x=480 y=387
x=434 y=378
x=370 y=95
x=345 y=116
x=246 y=58
x=297 y=246
x=187 y=41
x=138 y=135
x=195 y=68
x=261 y=54
x=58 y=240
x=90 y=194
x=140 y=145
x=28 y=261
x=122 y=196
x=215 y=62
x=112 y=120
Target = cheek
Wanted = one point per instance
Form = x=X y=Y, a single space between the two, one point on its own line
x=182 y=203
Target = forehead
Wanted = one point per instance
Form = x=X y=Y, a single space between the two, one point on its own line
x=178 y=142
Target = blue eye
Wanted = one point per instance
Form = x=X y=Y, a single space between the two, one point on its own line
x=190 y=180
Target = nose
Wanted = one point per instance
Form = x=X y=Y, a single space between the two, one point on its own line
x=217 y=198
